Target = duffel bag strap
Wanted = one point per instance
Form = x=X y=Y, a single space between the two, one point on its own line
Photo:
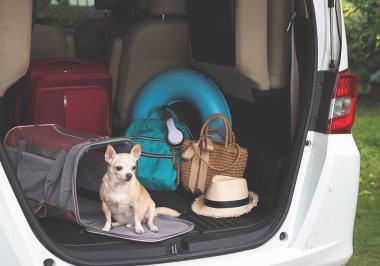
x=175 y=165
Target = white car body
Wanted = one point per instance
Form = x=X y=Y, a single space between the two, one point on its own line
x=319 y=225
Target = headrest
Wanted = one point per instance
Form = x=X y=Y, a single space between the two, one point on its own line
x=112 y=4
x=168 y=7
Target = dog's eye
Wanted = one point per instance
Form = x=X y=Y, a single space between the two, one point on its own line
x=119 y=168
x=133 y=168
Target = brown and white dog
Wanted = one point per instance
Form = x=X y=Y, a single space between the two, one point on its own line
x=123 y=197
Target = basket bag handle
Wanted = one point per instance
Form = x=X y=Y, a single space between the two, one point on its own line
x=229 y=139
x=228 y=135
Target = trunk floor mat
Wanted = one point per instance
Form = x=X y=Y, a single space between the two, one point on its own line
x=91 y=216
x=69 y=233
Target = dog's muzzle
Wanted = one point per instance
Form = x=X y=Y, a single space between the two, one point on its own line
x=128 y=177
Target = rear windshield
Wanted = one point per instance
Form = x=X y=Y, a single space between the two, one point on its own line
x=68 y=13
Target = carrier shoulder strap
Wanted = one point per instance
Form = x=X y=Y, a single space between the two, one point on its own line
x=53 y=176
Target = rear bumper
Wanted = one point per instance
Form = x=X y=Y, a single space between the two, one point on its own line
x=333 y=254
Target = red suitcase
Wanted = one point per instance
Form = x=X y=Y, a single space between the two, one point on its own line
x=79 y=108
x=71 y=92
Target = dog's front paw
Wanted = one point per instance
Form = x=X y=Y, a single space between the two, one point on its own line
x=106 y=228
x=153 y=228
x=139 y=229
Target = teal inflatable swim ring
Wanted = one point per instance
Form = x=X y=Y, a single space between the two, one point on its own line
x=181 y=85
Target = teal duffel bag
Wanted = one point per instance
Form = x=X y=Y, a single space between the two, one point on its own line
x=159 y=164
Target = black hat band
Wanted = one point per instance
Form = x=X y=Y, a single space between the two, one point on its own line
x=226 y=204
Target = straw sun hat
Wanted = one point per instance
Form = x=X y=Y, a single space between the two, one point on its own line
x=226 y=197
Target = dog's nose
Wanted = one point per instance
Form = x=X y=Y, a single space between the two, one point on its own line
x=128 y=176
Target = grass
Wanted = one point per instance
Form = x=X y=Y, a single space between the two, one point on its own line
x=367 y=224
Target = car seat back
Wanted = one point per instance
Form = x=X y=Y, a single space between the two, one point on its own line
x=152 y=46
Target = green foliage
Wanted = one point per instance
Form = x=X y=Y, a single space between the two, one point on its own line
x=63 y=2
x=371 y=13
x=66 y=15
x=366 y=232
x=367 y=136
x=362 y=20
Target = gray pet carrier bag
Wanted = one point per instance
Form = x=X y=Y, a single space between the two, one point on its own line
x=61 y=171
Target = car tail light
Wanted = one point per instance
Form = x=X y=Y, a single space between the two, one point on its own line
x=343 y=104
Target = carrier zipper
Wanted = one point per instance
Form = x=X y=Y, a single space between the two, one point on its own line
x=74 y=134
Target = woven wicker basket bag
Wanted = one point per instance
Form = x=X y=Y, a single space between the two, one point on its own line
x=211 y=155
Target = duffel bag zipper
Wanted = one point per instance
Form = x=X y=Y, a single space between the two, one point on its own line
x=155 y=155
x=64 y=101
x=148 y=138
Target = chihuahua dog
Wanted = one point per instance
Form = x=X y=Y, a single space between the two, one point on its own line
x=123 y=197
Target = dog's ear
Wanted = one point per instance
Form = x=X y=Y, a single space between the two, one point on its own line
x=110 y=154
x=136 y=151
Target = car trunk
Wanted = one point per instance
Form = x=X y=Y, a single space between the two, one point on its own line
x=267 y=171
x=262 y=124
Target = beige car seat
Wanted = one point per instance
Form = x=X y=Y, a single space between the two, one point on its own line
x=113 y=62
x=50 y=40
x=278 y=44
x=150 y=47
x=93 y=37
x=262 y=49
x=101 y=38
